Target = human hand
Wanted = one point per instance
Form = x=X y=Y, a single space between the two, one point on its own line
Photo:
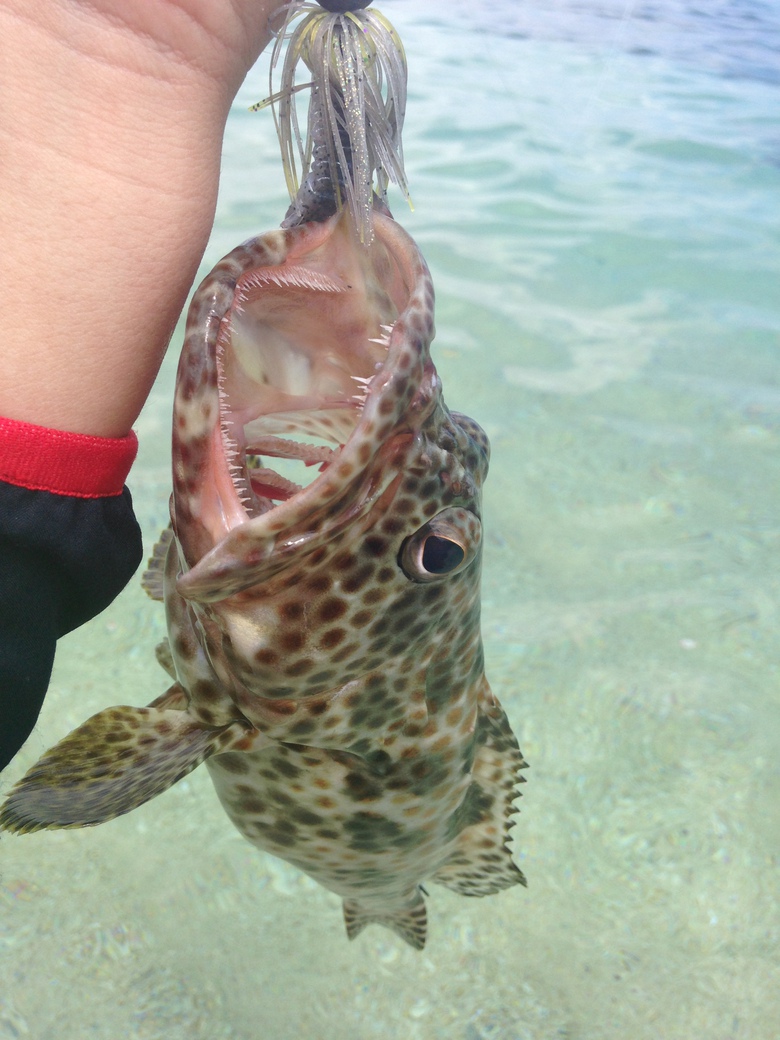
x=111 y=121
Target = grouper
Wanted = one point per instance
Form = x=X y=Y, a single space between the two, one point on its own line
x=324 y=647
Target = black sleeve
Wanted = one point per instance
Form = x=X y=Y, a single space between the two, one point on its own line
x=62 y=561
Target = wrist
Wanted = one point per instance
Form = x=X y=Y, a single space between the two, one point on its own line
x=72 y=464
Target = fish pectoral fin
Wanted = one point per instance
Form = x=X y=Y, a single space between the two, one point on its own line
x=481 y=863
x=410 y=921
x=111 y=764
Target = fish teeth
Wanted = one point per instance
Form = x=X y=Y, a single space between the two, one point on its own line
x=364 y=383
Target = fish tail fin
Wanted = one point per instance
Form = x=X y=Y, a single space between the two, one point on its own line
x=410 y=921
x=111 y=764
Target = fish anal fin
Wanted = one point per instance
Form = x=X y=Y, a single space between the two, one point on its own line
x=481 y=862
x=111 y=764
x=410 y=922
x=152 y=580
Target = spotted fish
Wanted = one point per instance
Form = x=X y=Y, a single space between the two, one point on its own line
x=324 y=643
x=324 y=640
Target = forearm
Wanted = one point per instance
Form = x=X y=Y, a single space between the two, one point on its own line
x=109 y=153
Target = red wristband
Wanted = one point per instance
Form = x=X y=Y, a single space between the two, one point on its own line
x=75 y=464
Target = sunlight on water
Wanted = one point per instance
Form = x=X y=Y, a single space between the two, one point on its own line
x=595 y=189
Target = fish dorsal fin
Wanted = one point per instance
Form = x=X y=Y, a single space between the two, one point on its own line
x=152 y=580
x=410 y=921
x=482 y=862
x=111 y=764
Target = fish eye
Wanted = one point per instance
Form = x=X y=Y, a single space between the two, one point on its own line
x=446 y=544
x=441 y=555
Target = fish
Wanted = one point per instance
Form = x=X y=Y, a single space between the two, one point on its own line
x=324 y=643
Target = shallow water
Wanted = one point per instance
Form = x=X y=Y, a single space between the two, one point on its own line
x=596 y=191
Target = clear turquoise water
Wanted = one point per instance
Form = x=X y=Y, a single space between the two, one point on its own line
x=596 y=191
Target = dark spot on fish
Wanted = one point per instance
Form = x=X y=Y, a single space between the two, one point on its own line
x=299 y=667
x=183 y=648
x=332 y=608
x=374 y=595
x=119 y=735
x=251 y=805
x=204 y=690
x=377 y=720
x=332 y=638
x=292 y=640
x=379 y=626
x=374 y=545
x=342 y=655
x=361 y=788
x=291 y=611
x=344 y=561
x=319 y=583
x=305 y=817
x=393 y=525
x=280 y=837
x=358 y=717
x=280 y=692
x=354 y=581
x=285 y=767
x=282 y=707
x=329 y=833
x=302 y=728
x=379 y=761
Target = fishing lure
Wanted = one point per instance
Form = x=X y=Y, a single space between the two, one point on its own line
x=352 y=147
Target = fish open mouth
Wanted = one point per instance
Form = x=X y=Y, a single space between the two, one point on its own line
x=298 y=355
x=322 y=370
